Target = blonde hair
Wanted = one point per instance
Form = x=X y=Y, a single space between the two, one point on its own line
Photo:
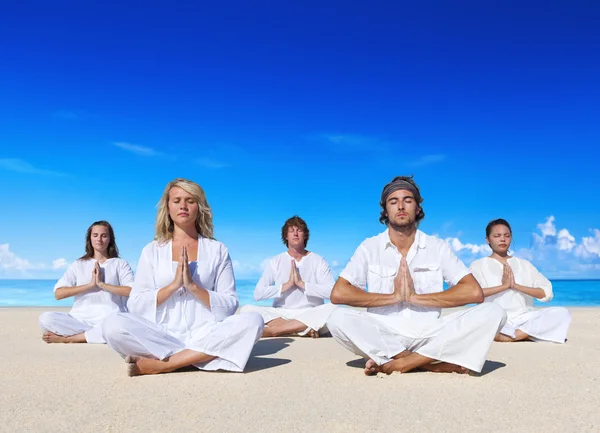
x=164 y=223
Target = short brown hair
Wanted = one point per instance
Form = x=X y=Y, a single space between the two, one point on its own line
x=294 y=221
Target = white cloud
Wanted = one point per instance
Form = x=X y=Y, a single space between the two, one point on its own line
x=548 y=228
x=60 y=264
x=20 y=166
x=14 y=266
x=353 y=141
x=137 y=149
x=590 y=246
x=457 y=246
x=428 y=160
x=566 y=241
x=9 y=261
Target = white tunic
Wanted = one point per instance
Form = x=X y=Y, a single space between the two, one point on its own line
x=462 y=338
x=91 y=307
x=182 y=321
x=549 y=324
x=307 y=306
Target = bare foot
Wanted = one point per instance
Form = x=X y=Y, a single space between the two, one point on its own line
x=503 y=338
x=371 y=368
x=51 y=337
x=312 y=333
x=267 y=332
x=445 y=367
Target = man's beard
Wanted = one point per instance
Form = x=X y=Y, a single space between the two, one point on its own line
x=403 y=226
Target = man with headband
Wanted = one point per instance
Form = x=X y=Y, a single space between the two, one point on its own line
x=403 y=270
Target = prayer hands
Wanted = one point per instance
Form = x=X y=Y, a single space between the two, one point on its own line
x=404 y=287
x=508 y=278
x=97 y=276
x=294 y=280
x=178 y=280
x=186 y=274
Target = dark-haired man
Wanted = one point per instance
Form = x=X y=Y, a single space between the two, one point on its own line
x=404 y=270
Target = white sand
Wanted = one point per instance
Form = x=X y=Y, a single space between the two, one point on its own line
x=297 y=384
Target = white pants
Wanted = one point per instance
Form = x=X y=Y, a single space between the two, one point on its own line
x=231 y=340
x=66 y=325
x=462 y=338
x=313 y=317
x=548 y=324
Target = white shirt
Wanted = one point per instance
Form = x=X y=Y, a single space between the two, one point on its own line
x=182 y=314
x=488 y=272
x=313 y=270
x=431 y=261
x=92 y=306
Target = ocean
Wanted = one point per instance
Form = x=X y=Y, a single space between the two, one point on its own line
x=39 y=293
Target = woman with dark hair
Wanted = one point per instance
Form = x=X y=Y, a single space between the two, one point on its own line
x=513 y=283
x=99 y=281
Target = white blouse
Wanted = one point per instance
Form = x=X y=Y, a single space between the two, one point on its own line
x=182 y=314
x=488 y=272
x=313 y=270
x=92 y=306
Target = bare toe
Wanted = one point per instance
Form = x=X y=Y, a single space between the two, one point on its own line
x=132 y=369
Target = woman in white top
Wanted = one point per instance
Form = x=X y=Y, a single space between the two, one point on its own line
x=183 y=299
x=299 y=281
x=513 y=283
x=99 y=281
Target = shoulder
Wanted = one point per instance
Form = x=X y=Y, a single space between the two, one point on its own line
x=213 y=246
x=121 y=262
x=316 y=258
x=153 y=246
x=433 y=241
x=478 y=263
x=373 y=242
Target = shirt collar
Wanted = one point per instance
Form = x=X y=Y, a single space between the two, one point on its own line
x=420 y=240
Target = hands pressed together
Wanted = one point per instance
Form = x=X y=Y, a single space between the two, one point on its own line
x=183 y=275
x=508 y=278
x=294 y=281
x=404 y=288
x=97 y=277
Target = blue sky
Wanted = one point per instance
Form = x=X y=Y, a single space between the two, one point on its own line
x=309 y=108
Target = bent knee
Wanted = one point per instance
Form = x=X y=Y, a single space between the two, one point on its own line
x=46 y=319
x=113 y=324
x=252 y=319
x=337 y=317
x=248 y=308
x=493 y=312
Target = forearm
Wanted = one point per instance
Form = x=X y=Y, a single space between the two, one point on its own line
x=493 y=290
x=266 y=292
x=67 y=292
x=461 y=294
x=200 y=293
x=347 y=294
x=531 y=291
x=116 y=290
x=165 y=293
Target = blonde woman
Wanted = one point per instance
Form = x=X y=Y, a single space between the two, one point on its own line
x=99 y=281
x=513 y=283
x=183 y=299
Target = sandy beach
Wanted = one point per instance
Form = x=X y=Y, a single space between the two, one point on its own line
x=297 y=384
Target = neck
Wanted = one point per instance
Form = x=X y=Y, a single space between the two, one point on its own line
x=297 y=252
x=185 y=234
x=402 y=237
x=100 y=255
x=501 y=257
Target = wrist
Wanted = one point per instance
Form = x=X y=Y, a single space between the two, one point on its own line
x=412 y=298
x=101 y=285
